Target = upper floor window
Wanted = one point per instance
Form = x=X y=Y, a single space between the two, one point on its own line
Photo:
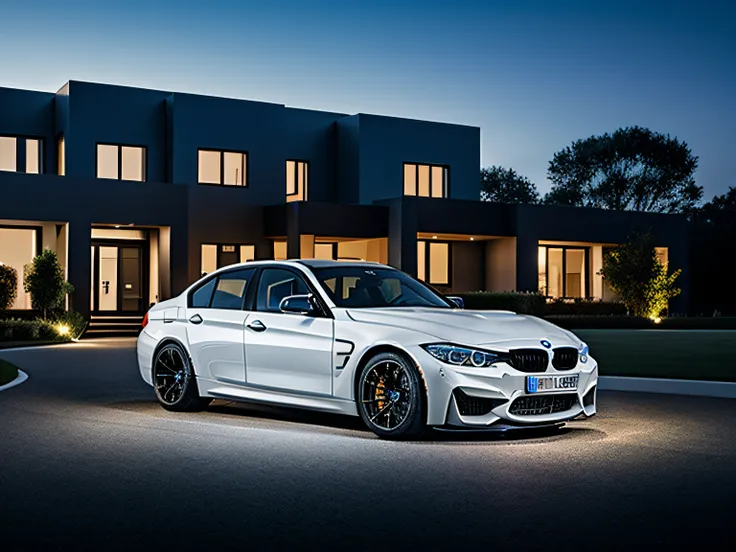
x=61 y=161
x=425 y=180
x=121 y=162
x=296 y=180
x=227 y=168
x=216 y=256
x=20 y=152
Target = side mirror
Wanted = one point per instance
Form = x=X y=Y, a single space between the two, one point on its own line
x=458 y=301
x=298 y=304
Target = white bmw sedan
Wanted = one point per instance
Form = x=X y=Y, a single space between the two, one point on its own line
x=361 y=339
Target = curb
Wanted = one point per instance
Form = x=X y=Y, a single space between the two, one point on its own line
x=22 y=376
x=699 y=388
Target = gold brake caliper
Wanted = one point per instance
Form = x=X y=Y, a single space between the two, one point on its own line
x=380 y=393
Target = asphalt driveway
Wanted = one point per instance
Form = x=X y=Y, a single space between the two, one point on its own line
x=89 y=461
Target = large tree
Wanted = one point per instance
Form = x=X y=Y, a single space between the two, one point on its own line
x=712 y=246
x=506 y=186
x=632 y=169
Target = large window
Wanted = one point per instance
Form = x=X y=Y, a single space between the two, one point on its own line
x=425 y=180
x=121 y=162
x=297 y=173
x=18 y=246
x=563 y=271
x=21 y=152
x=216 y=256
x=433 y=262
x=228 y=168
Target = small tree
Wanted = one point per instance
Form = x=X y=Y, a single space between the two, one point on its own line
x=636 y=275
x=8 y=286
x=44 y=280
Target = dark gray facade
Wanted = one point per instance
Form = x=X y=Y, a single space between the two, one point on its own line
x=355 y=189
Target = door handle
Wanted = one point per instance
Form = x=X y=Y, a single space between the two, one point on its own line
x=196 y=319
x=257 y=326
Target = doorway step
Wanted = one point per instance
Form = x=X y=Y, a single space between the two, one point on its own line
x=114 y=326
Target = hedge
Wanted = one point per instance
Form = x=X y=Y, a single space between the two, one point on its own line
x=522 y=303
x=13 y=329
x=589 y=307
x=632 y=323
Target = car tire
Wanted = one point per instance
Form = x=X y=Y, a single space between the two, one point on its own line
x=174 y=380
x=390 y=397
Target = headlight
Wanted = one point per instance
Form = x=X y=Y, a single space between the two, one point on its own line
x=463 y=356
x=583 y=352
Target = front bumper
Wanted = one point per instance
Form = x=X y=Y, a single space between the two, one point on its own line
x=484 y=397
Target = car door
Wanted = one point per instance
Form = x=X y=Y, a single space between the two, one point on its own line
x=215 y=322
x=283 y=350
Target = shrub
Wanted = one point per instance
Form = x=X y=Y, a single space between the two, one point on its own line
x=75 y=322
x=44 y=280
x=519 y=302
x=589 y=307
x=13 y=329
x=8 y=286
x=636 y=275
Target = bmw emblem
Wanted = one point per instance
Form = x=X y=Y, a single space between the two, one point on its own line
x=546 y=344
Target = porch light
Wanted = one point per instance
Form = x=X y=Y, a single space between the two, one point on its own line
x=471 y=238
x=434 y=237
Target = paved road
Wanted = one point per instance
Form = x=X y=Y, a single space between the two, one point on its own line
x=89 y=461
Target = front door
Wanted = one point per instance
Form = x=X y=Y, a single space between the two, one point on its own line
x=287 y=351
x=117 y=278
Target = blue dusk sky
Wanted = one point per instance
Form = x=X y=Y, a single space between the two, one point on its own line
x=533 y=75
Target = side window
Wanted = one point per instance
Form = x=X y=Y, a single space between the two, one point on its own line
x=202 y=296
x=230 y=290
x=275 y=284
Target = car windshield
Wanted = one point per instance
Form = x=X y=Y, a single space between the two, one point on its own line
x=360 y=287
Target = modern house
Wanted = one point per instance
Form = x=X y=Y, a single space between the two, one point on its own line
x=140 y=192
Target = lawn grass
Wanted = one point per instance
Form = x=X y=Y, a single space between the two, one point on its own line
x=8 y=372
x=677 y=354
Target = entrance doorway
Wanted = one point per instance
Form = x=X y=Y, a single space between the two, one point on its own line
x=118 y=285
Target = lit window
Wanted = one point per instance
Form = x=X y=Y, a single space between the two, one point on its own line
x=227 y=168
x=209 y=259
x=18 y=246
x=296 y=180
x=279 y=250
x=425 y=180
x=11 y=154
x=132 y=164
x=61 y=151
x=325 y=251
x=247 y=253
x=433 y=262
x=563 y=271
x=33 y=156
x=121 y=162
x=8 y=153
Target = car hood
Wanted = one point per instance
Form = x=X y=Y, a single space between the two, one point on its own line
x=468 y=327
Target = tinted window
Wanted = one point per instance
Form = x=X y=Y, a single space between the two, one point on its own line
x=365 y=287
x=201 y=297
x=275 y=284
x=230 y=290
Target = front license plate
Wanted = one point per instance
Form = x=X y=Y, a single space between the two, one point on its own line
x=544 y=384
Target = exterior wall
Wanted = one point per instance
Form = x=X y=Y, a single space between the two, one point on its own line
x=386 y=143
x=29 y=114
x=534 y=223
x=84 y=202
x=114 y=115
x=468 y=259
x=501 y=264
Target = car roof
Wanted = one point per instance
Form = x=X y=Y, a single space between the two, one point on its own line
x=322 y=263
